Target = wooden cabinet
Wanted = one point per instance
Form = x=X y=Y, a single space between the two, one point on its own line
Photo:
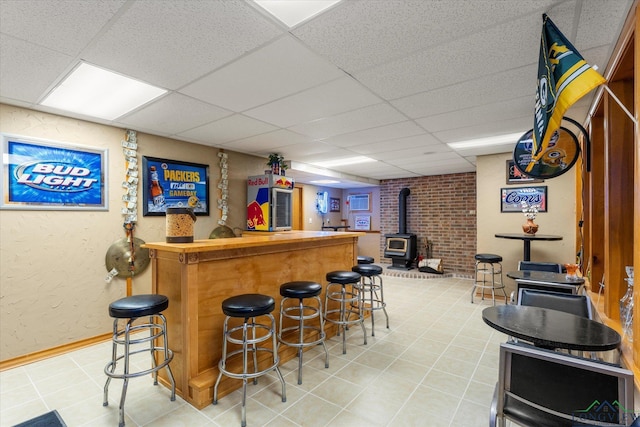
x=610 y=191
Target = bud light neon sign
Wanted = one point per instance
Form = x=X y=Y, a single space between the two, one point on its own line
x=40 y=174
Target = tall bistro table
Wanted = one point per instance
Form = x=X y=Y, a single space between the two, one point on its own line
x=551 y=328
x=527 y=238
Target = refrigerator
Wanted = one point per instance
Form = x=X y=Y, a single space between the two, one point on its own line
x=269 y=202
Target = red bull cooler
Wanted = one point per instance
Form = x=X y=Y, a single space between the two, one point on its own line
x=269 y=202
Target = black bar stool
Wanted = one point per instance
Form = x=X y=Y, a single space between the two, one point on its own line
x=248 y=335
x=349 y=302
x=373 y=293
x=362 y=259
x=301 y=291
x=132 y=308
x=488 y=266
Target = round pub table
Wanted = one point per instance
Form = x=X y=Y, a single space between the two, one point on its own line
x=527 y=238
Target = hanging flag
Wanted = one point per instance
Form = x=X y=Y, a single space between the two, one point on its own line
x=563 y=78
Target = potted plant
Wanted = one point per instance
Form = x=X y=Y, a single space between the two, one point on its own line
x=276 y=162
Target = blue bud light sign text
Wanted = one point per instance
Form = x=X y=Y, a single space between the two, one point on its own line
x=39 y=174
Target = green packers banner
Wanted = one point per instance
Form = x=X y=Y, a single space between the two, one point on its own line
x=563 y=78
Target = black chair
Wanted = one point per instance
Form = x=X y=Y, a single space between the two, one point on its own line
x=580 y=305
x=540 y=266
x=543 y=388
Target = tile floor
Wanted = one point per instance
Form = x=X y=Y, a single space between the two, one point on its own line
x=435 y=366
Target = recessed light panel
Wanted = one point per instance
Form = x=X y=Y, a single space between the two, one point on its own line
x=96 y=92
x=293 y=12
x=511 y=138
x=344 y=162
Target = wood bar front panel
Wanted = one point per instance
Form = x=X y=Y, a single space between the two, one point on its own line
x=197 y=283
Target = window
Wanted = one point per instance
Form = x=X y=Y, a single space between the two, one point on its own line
x=360 y=202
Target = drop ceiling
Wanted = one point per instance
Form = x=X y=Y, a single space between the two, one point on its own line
x=392 y=80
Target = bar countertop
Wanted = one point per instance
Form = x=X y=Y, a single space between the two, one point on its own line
x=250 y=239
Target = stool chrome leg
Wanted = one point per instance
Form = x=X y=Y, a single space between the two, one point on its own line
x=248 y=345
x=126 y=342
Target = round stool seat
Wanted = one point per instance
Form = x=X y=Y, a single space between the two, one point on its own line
x=248 y=305
x=343 y=277
x=365 y=259
x=488 y=258
x=138 y=306
x=300 y=289
x=367 y=270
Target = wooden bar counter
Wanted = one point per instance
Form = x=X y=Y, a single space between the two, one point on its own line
x=198 y=276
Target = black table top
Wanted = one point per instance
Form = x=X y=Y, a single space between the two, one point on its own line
x=551 y=328
x=545 y=276
x=522 y=236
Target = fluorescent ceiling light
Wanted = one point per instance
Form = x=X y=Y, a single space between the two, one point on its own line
x=511 y=138
x=344 y=162
x=97 y=92
x=324 y=181
x=293 y=12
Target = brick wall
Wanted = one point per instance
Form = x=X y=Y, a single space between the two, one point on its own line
x=438 y=210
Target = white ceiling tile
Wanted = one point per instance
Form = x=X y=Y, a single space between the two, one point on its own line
x=361 y=34
x=515 y=125
x=331 y=98
x=228 y=129
x=417 y=141
x=509 y=84
x=450 y=70
x=416 y=157
x=63 y=25
x=443 y=170
x=274 y=71
x=368 y=137
x=174 y=113
x=28 y=70
x=170 y=43
x=499 y=111
x=352 y=121
x=600 y=23
x=470 y=56
x=302 y=152
x=268 y=142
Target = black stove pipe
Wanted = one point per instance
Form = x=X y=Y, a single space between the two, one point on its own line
x=402 y=210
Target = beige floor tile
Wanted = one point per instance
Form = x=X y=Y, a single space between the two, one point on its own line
x=436 y=366
x=446 y=382
x=479 y=393
x=470 y=414
x=311 y=411
x=281 y=421
x=13 y=378
x=374 y=359
x=18 y=396
x=408 y=371
x=358 y=374
x=348 y=419
x=18 y=413
x=377 y=409
x=337 y=391
x=256 y=413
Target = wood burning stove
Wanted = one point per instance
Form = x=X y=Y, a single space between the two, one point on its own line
x=402 y=246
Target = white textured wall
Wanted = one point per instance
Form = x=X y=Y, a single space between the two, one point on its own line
x=559 y=220
x=52 y=263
